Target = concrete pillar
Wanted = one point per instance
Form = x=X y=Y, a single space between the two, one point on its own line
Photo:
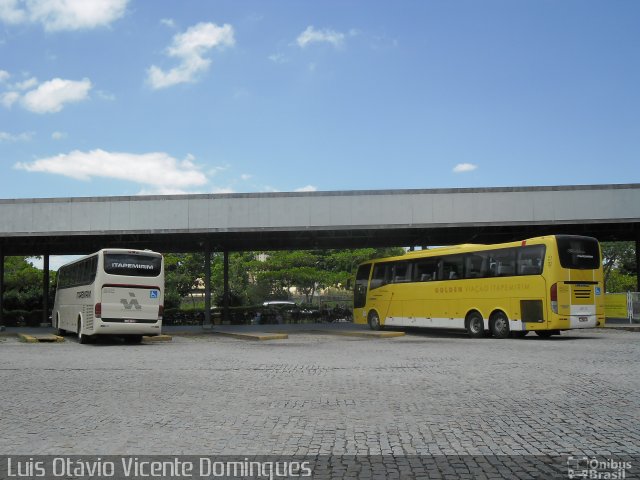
x=225 y=295
x=207 y=284
x=45 y=289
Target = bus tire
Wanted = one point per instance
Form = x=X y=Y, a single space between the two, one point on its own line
x=374 y=321
x=82 y=338
x=499 y=325
x=59 y=331
x=475 y=325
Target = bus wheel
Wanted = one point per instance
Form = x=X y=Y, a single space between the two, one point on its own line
x=475 y=325
x=60 y=332
x=374 y=321
x=499 y=325
x=82 y=338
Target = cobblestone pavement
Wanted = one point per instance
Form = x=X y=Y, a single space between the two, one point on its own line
x=422 y=394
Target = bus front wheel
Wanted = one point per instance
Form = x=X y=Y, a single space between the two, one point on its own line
x=499 y=325
x=475 y=325
x=374 y=321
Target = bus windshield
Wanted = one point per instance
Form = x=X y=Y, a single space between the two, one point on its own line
x=132 y=264
x=581 y=253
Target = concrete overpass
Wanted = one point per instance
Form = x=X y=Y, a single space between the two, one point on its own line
x=263 y=221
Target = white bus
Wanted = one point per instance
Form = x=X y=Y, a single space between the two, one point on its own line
x=111 y=292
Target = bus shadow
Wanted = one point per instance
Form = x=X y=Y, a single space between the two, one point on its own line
x=444 y=333
x=108 y=341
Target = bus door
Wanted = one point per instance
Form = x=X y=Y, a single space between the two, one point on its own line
x=380 y=294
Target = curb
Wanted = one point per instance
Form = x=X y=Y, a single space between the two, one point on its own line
x=158 y=338
x=40 y=338
x=254 y=335
x=363 y=334
x=628 y=328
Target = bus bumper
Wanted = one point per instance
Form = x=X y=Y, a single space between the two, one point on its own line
x=120 y=327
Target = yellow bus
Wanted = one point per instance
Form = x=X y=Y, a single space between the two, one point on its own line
x=544 y=284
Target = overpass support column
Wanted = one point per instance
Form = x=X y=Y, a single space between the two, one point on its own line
x=225 y=295
x=45 y=289
x=1 y=286
x=207 y=284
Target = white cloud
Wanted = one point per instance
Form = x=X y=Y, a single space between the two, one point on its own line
x=13 y=137
x=307 y=188
x=4 y=75
x=311 y=35
x=26 y=85
x=278 y=58
x=190 y=49
x=10 y=11
x=58 y=135
x=157 y=169
x=464 y=167
x=9 y=98
x=168 y=22
x=245 y=176
x=51 y=96
x=55 y=15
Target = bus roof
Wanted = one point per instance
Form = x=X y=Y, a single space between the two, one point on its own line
x=462 y=248
x=110 y=250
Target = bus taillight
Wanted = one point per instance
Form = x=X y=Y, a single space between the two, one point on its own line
x=160 y=311
x=553 y=294
x=98 y=310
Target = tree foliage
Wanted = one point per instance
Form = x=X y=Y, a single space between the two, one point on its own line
x=619 y=266
x=23 y=285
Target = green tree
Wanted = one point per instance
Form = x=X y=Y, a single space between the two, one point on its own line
x=22 y=285
x=310 y=270
x=618 y=258
x=181 y=273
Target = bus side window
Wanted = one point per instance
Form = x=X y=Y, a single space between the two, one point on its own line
x=452 y=267
x=530 y=260
x=504 y=261
x=401 y=272
x=476 y=265
x=380 y=276
x=426 y=270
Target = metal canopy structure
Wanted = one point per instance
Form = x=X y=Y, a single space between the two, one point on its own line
x=314 y=220
x=271 y=221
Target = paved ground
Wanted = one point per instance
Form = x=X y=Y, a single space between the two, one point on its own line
x=422 y=394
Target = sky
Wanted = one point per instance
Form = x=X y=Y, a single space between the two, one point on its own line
x=137 y=97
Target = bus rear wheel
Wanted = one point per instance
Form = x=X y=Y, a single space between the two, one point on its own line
x=374 y=321
x=59 y=331
x=475 y=325
x=499 y=325
x=82 y=338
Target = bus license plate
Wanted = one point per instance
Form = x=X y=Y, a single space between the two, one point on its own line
x=131 y=320
x=583 y=319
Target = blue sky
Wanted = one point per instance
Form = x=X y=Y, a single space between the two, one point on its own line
x=129 y=97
